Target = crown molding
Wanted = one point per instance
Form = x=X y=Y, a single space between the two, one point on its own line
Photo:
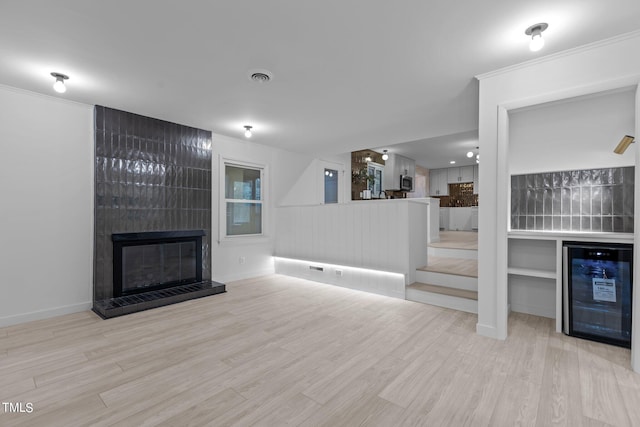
x=562 y=54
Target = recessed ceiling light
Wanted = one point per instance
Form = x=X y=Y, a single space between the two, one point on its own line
x=453 y=162
x=470 y=154
x=535 y=31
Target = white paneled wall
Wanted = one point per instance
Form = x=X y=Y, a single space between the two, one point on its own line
x=372 y=236
x=419 y=230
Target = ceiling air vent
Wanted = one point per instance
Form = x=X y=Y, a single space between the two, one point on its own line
x=260 y=76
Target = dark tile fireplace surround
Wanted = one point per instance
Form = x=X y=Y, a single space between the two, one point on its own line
x=152 y=213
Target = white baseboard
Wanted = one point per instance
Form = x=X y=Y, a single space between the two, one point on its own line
x=44 y=314
x=549 y=312
x=488 y=331
x=244 y=275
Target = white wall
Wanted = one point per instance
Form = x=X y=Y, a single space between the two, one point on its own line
x=47 y=188
x=577 y=133
x=608 y=65
x=292 y=178
x=307 y=187
x=239 y=258
x=46 y=224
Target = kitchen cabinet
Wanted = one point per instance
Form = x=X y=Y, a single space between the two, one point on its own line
x=474 y=217
x=395 y=166
x=444 y=218
x=438 y=182
x=460 y=174
x=457 y=219
x=460 y=219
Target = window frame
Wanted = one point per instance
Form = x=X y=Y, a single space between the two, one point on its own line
x=223 y=201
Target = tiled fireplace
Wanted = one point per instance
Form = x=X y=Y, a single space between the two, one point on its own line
x=152 y=213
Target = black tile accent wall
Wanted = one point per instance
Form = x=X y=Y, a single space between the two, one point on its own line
x=150 y=175
x=593 y=200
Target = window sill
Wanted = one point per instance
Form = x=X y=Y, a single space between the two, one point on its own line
x=244 y=240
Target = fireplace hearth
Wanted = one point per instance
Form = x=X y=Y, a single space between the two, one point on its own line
x=151 y=269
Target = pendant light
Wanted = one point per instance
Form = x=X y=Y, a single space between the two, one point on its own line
x=247 y=131
x=385 y=156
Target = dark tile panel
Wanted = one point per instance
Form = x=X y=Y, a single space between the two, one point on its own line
x=150 y=175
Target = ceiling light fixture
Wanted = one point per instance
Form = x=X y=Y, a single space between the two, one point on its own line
x=452 y=162
x=59 y=85
x=471 y=153
x=247 y=131
x=624 y=143
x=368 y=158
x=535 y=31
x=385 y=156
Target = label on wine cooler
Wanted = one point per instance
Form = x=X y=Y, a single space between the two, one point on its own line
x=604 y=290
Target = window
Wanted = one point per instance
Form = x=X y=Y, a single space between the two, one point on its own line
x=330 y=186
x=375 y=185
x=243 y=199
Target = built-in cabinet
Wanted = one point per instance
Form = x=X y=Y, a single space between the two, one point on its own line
x=439 y=179
x=438 y=182
x=444 y=218
x=460 y=174
x=534 y=268
x=474 y=218
x=395 y=166
x=459 y=218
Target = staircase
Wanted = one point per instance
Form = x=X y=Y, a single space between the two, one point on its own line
x=450 y=278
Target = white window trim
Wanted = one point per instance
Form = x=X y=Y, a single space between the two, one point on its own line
x=222 y=201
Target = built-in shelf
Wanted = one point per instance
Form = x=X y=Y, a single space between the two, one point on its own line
x=535 y=269
x=533 y=275
x=532 y=272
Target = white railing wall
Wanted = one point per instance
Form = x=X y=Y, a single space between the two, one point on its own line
x=369 y=245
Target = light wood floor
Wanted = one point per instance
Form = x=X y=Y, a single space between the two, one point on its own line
x=280 y=351
x=457 y=240
x=457 y=266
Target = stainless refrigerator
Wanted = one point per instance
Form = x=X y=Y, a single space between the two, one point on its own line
x=597 y=289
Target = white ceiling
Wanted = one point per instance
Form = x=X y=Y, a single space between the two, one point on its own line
x=439 y=152
x=347 y=74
